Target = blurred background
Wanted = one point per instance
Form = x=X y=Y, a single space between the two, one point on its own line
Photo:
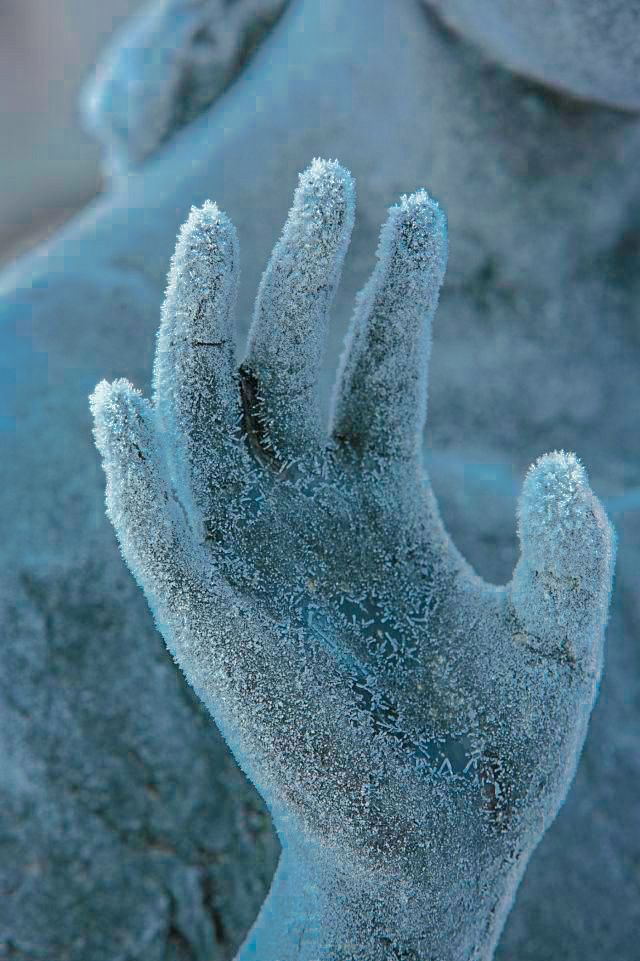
x=50 y=166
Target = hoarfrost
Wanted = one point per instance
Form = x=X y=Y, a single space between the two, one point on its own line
x=413 y=729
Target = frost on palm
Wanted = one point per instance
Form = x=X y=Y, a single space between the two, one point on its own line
x=412 y=728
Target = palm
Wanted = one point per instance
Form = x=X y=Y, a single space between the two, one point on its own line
x=379 y=694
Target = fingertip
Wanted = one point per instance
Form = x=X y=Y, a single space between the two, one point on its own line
x=108 y=398
x=115 y=407
x=417 y=227
x=205 y=265
x=325 y=189
x=420 y=207
x=207 y=227
x=553 y=495
x=98 y=397
x=561 y=524
x=322 y=172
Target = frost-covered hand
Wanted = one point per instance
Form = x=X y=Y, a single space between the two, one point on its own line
x=412 y=728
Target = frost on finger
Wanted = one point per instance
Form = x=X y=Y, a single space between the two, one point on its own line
x=562 y=584
x=363 y=675
x=165 y=67
x=139 y=501
x=381 y=397
x=287 y=337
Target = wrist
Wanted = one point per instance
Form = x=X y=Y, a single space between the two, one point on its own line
x=319 y=910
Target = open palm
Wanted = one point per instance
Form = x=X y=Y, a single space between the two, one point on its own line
x=417 y=727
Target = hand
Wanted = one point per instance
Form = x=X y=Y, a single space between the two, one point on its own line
x=412 y=728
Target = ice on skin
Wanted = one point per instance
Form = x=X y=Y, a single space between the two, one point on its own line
x=561 y=531
x=413 y=729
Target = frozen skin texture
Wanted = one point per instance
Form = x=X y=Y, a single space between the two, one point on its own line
x=165 y=67
x=412 y=728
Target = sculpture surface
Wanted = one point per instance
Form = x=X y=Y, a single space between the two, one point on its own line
x=578 y=46
x=412 y=728
x=165 y=68
x=127 y=830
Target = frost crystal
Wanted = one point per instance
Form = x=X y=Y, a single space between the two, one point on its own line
x=413 y=729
